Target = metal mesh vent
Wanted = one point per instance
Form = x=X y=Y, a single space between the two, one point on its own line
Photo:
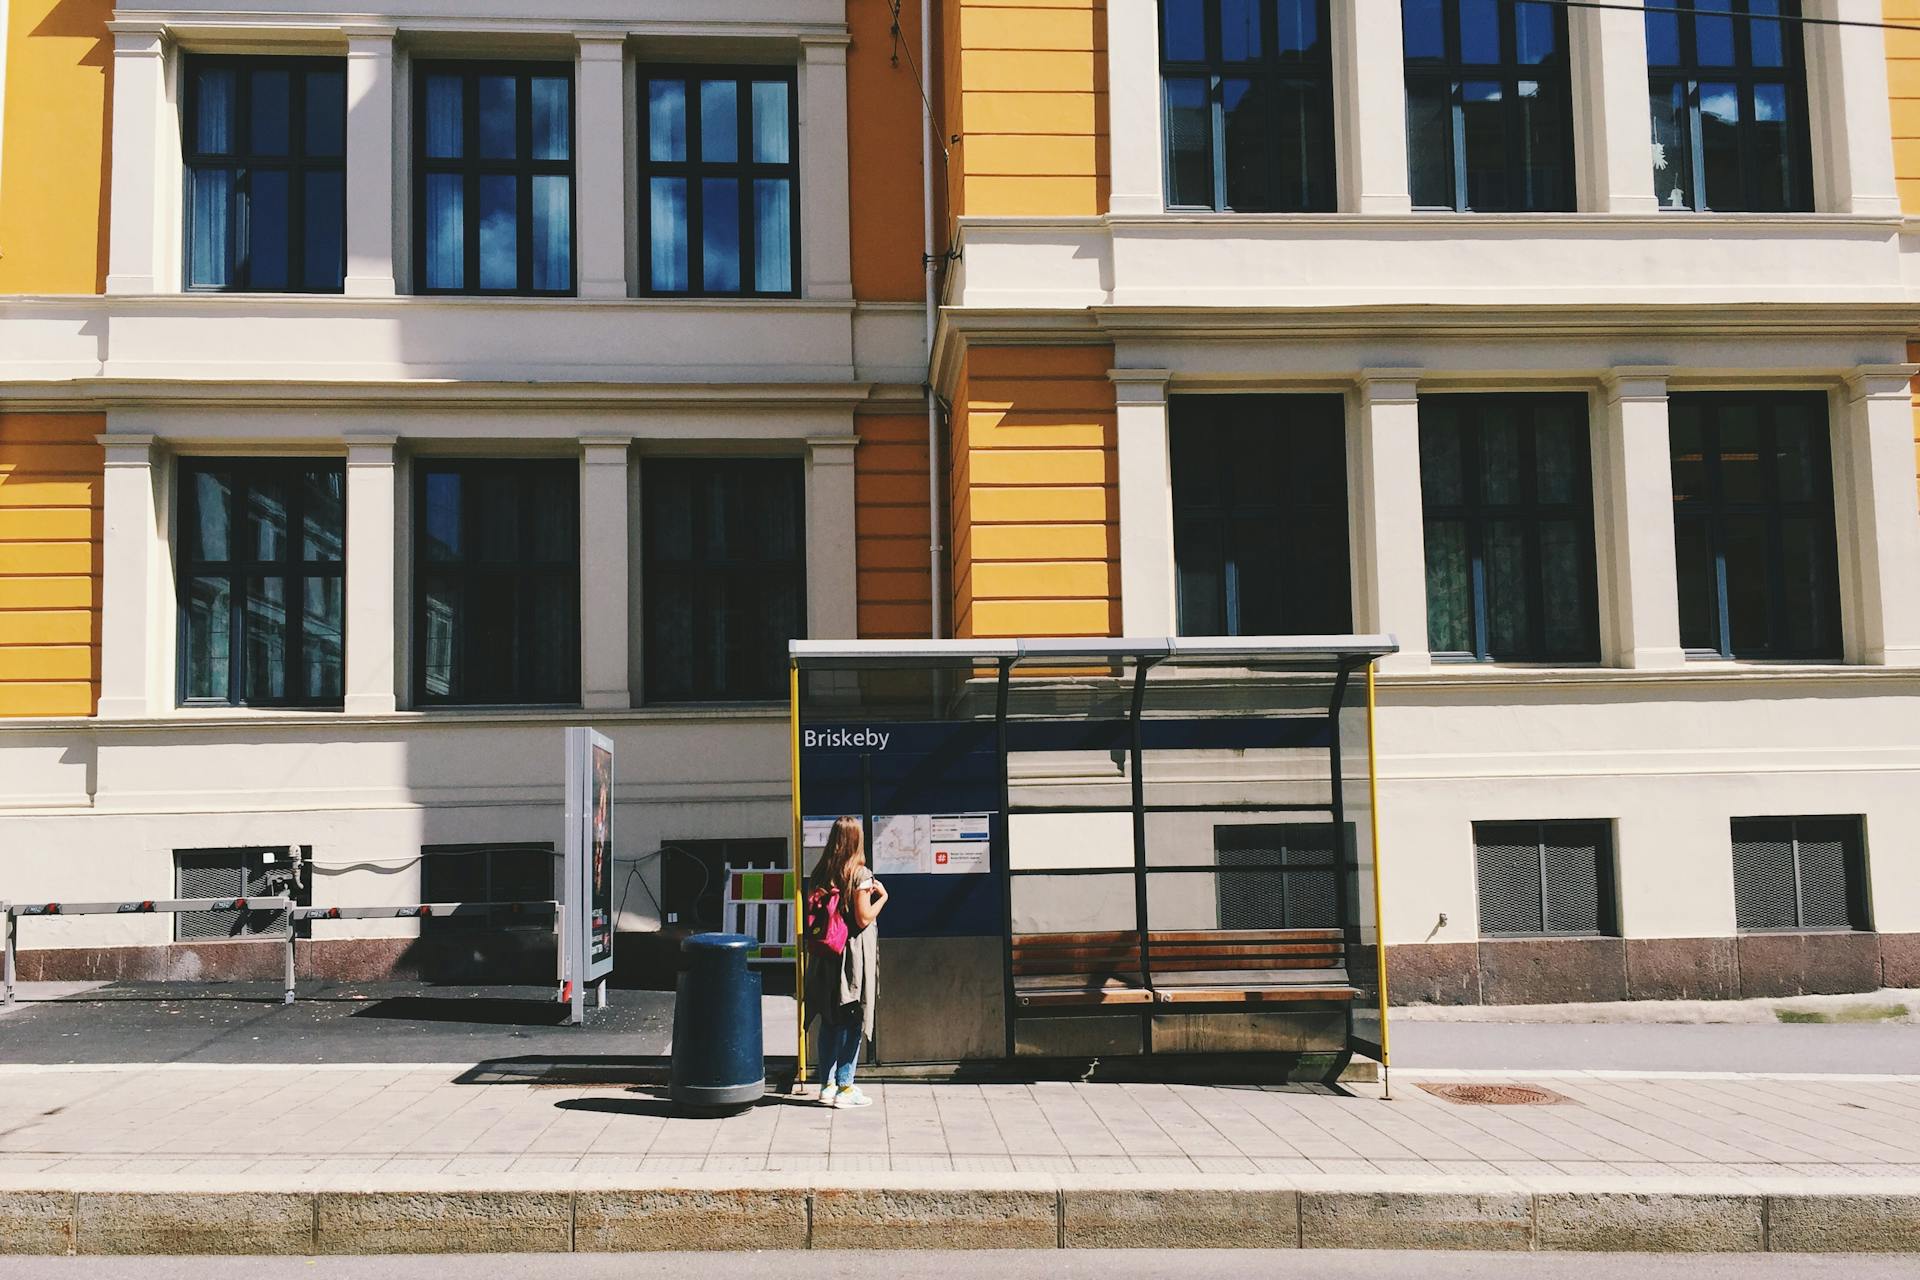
x=1510 y=886
x=1823 y=876
x=1763 y=892
x=1544 y=877
x=224 y=873
x=1796 y=873
x=1573 y=885
x=1308 y=898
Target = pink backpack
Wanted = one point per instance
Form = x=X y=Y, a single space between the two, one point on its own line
x=826 y=923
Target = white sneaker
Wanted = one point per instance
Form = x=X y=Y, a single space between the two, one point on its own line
x=829 y=1093
x=851 y=1097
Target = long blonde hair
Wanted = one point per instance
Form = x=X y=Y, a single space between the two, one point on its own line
x=845 y=856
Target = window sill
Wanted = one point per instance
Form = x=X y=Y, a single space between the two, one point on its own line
x=1494 y=674
x=425 y=719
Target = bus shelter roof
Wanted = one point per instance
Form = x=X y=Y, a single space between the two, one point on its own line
x=1330 y=653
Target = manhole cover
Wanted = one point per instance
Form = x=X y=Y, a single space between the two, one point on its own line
x=1495 y=1095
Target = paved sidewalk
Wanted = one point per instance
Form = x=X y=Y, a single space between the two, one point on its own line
x=361 y=1125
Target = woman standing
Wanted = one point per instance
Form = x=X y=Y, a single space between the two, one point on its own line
x=840 y=987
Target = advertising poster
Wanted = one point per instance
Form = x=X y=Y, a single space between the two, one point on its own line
x=586 y=883
x=600 y=884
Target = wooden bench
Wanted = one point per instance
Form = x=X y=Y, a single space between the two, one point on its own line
x=1106 y=970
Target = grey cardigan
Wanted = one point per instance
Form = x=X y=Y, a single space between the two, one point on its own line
x=858 y=977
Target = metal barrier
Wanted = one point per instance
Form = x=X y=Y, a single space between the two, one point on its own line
x=13 y=913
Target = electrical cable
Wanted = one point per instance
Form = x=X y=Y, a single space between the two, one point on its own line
x=1714 y=13
x=899 y=48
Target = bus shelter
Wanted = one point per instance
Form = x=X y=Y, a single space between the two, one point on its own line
x=1130 y=856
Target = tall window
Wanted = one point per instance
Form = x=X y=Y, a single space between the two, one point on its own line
x=493 y=194
x=1799 y=873
x=265 y=148
x=1727 y=80
x=1754 y=525
x=718 y=181
x=1248 y=98
x=262 y=563
x=497 y=568
x=724 y=577
x=1260 y=515
x=1508 y=494
x=1545 y=878
x=1488 y=105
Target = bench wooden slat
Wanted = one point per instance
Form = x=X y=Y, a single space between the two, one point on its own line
x=1248 y=949
x=1101 y=997
x=1118 y=937
x=1204 y=964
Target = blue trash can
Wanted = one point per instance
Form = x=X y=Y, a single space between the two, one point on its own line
x=718 y=1054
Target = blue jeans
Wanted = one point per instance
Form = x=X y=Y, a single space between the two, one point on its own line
x=840 y=1045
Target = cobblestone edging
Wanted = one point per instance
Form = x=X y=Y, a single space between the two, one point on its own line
x=1030 y=1215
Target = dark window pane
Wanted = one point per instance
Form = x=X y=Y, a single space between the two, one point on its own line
x=552 y=628
x=1563 y=589
x=324 y=255
x=1449 y=588
x=1536 y=33
x=323 y=651
x=1429 y=145
x=267 y=228
x=265 y=516
x=1301 y=33
x=1764 y=892
x=1749 y=601
x=552 y=118
x=1663 y=39
x=1772 y=186
x=720 y=235
x=445 y=124
x=770 y=122
x=1484 y=118
x=208 y=639
x=719 y=121
x=1480 y=31
x=441 y=619
x=772 y=235
x=1441 y=476
x=272 y=113
x=495 y=495
x=264 y=639
x=1189 y=142
x=552 y=232
x=1808 y=586
x=323 y=516
x=1184 y=30
x=498 y=120
x=667 y=228
x=1543 y=155
x=1713 y=36
x=1742 y=469
x=552 y=526
x=1508 y=577
x=1672 y=145
x=1248 y=128
x=1687 y=441
x=442 y=517
x=1766 y=36
x=1200 y=564
x=1799 y=453
x=211 y=212
x=1305 y=166
x=1423 y=29
x=211 y=504
x=216 y=103
x=1240 y=34
x=499 y=231
x=446 y=231
x=326 y=113
x=1699 y=585
x=1557 y=478
x=666 y=120
x=1501 y=469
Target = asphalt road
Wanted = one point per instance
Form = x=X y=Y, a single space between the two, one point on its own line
x=1220 y=1264
x=1787 y=1048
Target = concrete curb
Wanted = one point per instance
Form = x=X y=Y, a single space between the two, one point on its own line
x=950 y=1214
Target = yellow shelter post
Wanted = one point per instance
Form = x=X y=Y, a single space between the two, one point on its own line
x=797 y=838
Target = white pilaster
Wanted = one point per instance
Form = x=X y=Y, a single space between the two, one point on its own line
x=1851 y=117
x=1133 y=106
x=130 y=688
x=833 y=611
x=371 y=549
x=1633 y=492
x=605 y=538
x=371 y=151
x=1370 y=109
x=1614 y=158
x=1881 y=542
x=825 y=213
x=142 y=124
x=1148 y=601
x=600 y=112
x=1390 y=556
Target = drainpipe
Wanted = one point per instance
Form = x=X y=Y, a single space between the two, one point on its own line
x=936 y=550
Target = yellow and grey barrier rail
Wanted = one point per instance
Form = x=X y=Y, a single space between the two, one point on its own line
x=13 y=912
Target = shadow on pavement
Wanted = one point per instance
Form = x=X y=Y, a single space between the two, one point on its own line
x=477 y=1011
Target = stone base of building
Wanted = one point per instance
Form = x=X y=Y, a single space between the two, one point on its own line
x=482 y=959
x=1567 y=970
